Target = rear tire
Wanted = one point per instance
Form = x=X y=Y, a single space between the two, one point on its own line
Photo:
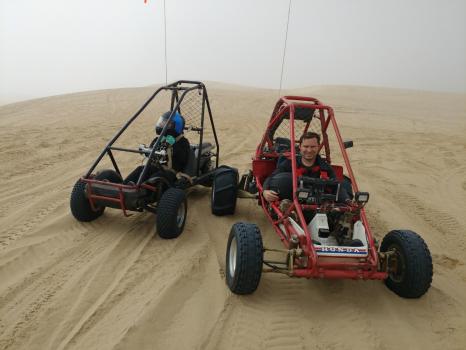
x=411 y=273
x=80 y=206
x=171 y=213
x=244 y=258
x=109 y=175
x=224 y=191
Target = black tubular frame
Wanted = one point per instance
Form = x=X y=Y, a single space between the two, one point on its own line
x=176 y=100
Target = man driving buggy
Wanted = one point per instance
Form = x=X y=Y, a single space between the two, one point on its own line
x=178 y=151
x=308 y=163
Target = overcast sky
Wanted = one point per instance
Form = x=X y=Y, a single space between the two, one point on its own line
x=50 y=47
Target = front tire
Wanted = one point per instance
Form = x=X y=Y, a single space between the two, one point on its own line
x=244 y=258
x=171 y=213
x=411 y=269
x=108 y=175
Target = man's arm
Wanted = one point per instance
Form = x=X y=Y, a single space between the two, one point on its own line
x=343 y=195
x=181 y=153
x=330 y=172
x=153 y=142
x=283 y=167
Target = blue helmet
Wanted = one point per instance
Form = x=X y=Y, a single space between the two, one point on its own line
x=176 y=124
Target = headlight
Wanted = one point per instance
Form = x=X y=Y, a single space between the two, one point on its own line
x=361 y=197
x=303 y=195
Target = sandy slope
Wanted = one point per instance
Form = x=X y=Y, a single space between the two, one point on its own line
x=113 y=284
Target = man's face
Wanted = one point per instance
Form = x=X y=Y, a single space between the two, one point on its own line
x=309 y=149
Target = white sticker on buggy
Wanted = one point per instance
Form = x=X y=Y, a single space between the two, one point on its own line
x=340 y=251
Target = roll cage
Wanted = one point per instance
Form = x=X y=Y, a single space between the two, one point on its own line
x=179 y=90
x=307 y=110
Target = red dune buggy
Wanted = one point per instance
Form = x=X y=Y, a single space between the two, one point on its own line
x=323 y=237
x=188 y=100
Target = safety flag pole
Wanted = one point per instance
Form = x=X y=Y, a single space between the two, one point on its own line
x=165 y=39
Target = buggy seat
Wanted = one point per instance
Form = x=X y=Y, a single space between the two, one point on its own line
x=194 y=154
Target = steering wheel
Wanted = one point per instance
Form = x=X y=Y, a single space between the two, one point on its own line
x=316 y=190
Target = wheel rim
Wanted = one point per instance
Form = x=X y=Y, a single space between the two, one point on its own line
x=232 y=257
x=397 y=266
x=180 y=216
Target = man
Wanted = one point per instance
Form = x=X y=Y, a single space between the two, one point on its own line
x=178 y=150
x=309 y=163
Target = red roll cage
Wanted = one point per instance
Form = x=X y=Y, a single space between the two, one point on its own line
x=264 y=162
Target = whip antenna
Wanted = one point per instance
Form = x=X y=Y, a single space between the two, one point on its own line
x=165 y=30
x=284 y=48
x=165 y=39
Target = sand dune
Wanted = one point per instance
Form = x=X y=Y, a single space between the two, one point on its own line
x=113 y=284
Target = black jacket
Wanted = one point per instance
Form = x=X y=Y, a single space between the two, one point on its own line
x=181 y=152
x=320 y=166
x=319 y=169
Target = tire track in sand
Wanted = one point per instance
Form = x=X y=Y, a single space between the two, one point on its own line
x=439 y=220
x=29 y=302
x=161 y=288
x=17 y=231
x=105 y=275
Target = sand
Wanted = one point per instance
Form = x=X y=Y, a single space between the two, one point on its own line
x=113 y=284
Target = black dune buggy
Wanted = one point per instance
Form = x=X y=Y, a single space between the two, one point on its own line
x=323 y=236
x=93 y=192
